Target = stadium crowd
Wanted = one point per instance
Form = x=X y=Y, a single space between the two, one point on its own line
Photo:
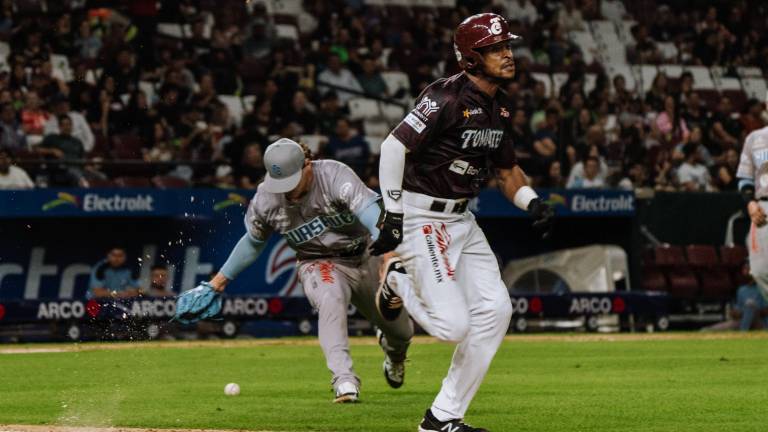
x=100 y=93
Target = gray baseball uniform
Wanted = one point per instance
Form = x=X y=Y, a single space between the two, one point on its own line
x=334 y=266
x=754 y=166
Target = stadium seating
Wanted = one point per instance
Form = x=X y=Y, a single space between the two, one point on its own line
x=133 y=182
x=169 y=182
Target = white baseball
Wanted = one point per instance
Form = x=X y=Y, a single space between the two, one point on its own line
x=232 y=389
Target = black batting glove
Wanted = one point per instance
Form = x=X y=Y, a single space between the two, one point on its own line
x=543 y=216
x=390 y=234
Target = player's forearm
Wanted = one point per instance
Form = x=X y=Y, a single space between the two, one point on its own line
x=391 y=167
x=243 y=255
x=514 y=185
x=369 y=218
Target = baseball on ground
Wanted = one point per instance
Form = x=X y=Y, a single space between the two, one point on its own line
x=232 y=389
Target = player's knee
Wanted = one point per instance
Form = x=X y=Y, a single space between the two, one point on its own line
x=503 y=310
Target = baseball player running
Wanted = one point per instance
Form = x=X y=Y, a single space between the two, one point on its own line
x=432 y=163
x=328 y=216
x=753 y=184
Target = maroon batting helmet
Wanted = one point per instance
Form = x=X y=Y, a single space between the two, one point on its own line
x=476 y=32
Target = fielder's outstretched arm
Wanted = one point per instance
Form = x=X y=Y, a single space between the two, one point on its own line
x=245 y=253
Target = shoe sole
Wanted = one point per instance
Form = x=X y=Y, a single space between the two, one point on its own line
x=347 y=398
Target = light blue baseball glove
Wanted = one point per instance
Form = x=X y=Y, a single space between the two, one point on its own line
x=198 y=304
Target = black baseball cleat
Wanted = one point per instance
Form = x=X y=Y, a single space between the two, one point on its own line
x=430 y=424
x=390 y=305
x=394 y=372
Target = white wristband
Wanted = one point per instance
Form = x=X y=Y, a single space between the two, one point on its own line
x=524 y=196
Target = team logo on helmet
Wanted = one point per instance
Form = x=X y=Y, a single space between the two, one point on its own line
x=495 y=26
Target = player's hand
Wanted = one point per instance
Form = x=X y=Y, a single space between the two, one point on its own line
x=198 y=304
x=756 y=214
x=542 y=215
x=390 y=234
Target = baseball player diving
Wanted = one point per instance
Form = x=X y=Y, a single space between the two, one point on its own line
x=432 y=163
x=753 y=184
x=328 y=216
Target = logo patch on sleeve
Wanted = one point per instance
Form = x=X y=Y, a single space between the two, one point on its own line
x=394 y=194
x=415 y=123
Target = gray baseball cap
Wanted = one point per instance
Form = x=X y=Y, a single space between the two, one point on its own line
x=284 y=160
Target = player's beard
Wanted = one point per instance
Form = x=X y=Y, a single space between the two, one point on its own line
x=481 y=72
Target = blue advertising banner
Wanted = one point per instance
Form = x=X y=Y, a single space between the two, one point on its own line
x=209 y=203
x=50 y=239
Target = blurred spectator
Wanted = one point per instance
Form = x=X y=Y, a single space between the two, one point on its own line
x=370 y=80
x=751 y=117
x=12 y=137
x=521 y=10
x=250 y=171
x=87 y=43
x=80 y=128
x=591 y=178
x=329 y=114
x=645 y=49
x=724 y=130
x=349 y=147
x=114 y=277
x=64 y=147
x=693 y=175
x=569 y=17
x=302 y=114
x=11 y=176
x=339 y=77
x=33 y=117
x=260 y=37
x=669 y=124
x=724 y=173
x=545 y=140
x=554 y=178
x=159 y=286
x=613 y=10
x=636 y=177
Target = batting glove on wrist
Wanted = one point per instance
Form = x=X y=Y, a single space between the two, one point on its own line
x=390 y=234
x=543 y=216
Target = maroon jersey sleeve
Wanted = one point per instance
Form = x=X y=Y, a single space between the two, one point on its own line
x=423 y=121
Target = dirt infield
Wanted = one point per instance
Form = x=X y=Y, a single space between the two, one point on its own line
x=22 y=428
x=311 y=341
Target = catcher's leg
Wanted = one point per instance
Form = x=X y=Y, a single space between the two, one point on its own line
x=327 y=289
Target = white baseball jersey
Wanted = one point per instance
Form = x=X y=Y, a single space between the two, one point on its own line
x=323 y=223
x=754 y=161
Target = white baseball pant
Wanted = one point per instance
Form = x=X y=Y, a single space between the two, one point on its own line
x=330 y=286
x=457 y=294
x=757 y=244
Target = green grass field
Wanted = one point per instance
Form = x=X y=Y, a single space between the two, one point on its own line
x=552 y=384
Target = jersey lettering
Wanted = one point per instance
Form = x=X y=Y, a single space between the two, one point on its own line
x=318 y=226
x=490 y=138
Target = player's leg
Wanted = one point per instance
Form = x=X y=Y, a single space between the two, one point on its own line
x=490 y=312
x=758 y=254
x=431 y=294
x=327 y=288
x=394 y=335
x=398 y=332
